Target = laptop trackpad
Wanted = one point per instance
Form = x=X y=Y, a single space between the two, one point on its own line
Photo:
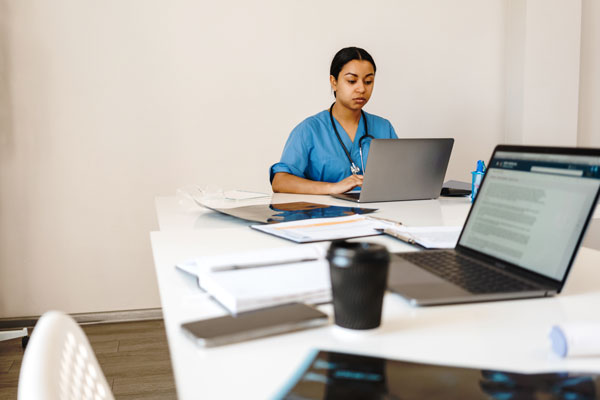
x=403 y=272
x=412 y=282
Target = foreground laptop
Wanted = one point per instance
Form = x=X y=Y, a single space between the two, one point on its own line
x=521 y=235
x=403 y=169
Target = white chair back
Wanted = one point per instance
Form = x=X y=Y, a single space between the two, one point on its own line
x=59 y=363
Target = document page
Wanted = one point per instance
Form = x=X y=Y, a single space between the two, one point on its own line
x=321 y=229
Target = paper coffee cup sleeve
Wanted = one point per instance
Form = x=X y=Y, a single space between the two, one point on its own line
x=576 y=339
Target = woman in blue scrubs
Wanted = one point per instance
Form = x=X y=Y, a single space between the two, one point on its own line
x=323 y=153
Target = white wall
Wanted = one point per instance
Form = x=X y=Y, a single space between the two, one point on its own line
x=105 y=105
x=542 y=71
x=589 y=94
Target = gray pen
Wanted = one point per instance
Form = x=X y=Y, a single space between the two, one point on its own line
x=397 y=235
x=224 y=268
x=391 y=221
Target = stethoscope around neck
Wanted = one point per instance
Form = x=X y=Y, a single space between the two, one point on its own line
x=353 y=168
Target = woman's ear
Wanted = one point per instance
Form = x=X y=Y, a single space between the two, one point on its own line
x=333 y=83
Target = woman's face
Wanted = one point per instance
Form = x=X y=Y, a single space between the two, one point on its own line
x=354 y=85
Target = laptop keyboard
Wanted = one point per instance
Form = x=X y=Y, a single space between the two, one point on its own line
x=466 y=273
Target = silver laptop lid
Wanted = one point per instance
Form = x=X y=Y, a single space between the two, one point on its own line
x=405 y=169
x=533 y=207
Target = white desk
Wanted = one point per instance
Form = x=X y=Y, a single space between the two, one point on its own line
x=509 y=335
x=175 y=215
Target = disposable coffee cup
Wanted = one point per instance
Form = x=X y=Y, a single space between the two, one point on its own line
x=358 y=280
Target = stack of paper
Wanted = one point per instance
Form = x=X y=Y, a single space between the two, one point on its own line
x=256 y=279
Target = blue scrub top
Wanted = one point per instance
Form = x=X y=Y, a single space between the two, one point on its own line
x=314 y=152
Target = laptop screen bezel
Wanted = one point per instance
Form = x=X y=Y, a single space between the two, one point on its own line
x=542 y=279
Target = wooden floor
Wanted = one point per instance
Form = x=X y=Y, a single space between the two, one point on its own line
x=133 y=355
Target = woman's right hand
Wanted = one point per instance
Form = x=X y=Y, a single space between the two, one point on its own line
x=284 y=182
x=346 y=184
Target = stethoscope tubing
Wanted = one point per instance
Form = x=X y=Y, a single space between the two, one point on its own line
x=353 y=168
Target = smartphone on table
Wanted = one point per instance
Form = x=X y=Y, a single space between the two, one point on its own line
x=254 y=324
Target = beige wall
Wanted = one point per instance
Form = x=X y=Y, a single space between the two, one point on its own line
x=589 y=95
x=542 y=71
x=105 y=105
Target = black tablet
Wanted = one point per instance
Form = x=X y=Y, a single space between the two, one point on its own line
x=330 y=375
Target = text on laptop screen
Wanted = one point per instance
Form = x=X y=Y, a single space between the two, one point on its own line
x=531 y=209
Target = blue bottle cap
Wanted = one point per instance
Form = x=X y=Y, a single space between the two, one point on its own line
x=480 y=166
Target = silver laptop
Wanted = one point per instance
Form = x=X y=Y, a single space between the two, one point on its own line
x=403 y=169
x=521 y=235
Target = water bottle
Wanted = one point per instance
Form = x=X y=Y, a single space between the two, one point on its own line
x=476 y=178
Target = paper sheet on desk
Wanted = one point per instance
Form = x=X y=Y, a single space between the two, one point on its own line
x=323 y=229
x=243 y=195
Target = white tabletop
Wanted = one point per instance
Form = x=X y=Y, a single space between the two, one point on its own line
x=175 y=213
x=509 y=335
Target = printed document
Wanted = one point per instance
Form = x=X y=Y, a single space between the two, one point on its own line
x=315 y=230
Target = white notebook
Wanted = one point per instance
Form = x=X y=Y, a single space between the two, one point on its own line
x=239 y=284
x=252 y=288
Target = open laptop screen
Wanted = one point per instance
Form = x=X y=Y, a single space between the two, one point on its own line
x=531 y=209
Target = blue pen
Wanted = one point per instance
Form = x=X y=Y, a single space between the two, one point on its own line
x=477 y=176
